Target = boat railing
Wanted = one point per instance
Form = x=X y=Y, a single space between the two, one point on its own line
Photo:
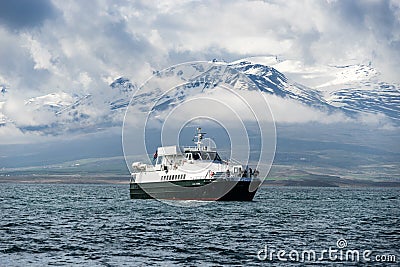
x=190 y=147
x=228 y=175
x=218 y=175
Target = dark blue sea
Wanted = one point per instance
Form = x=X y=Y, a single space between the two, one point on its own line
x=98 y=225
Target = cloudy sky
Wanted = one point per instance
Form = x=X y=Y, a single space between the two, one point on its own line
x=82 y=46
x=60 y=45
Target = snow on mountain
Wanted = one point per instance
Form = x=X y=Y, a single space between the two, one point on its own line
x=368 y=98
x=349 y=74
x=52 y=102
x=62 y=112
x=64 y=107
x=271 y=81
x=351 y=88
x=122 y=92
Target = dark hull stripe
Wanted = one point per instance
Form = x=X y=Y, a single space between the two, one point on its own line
x=193 y=190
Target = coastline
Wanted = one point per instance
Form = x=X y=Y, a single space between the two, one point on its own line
x=66 y=179
x=124 y=180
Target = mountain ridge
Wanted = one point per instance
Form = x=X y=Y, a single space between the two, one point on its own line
x=361 y=92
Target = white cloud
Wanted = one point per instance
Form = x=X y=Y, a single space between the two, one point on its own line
x=23 y=115
x=10 y=134
x=287 y=110
x=40 y=55
x=81 y=46
x=103 y=39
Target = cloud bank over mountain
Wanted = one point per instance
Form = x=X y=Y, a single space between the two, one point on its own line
x=59 y=53
x=366 y=100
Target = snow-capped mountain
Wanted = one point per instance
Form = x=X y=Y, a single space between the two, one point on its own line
x=352 y=89
x=54 y=101
x=369 y=98
x=271 y=81
x=122 y=92
x=60 y=112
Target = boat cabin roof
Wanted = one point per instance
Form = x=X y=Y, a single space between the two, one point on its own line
x=168 y=150
x=196 y=154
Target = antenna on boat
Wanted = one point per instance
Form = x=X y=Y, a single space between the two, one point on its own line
x=199 y=138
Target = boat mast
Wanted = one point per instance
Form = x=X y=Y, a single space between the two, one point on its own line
x=199 y=138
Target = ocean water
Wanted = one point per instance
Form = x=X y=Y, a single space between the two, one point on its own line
x=98 y=225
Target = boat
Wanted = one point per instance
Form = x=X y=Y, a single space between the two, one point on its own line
x=192 y=173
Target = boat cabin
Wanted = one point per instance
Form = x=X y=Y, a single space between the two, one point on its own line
x=172 y=154
x=191 y=155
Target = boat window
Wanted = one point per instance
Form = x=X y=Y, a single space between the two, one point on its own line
x=159 y=159
x=217 y=158
x=189 y=156
x=210 y=156
x=196 y=156
x=205 y=156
